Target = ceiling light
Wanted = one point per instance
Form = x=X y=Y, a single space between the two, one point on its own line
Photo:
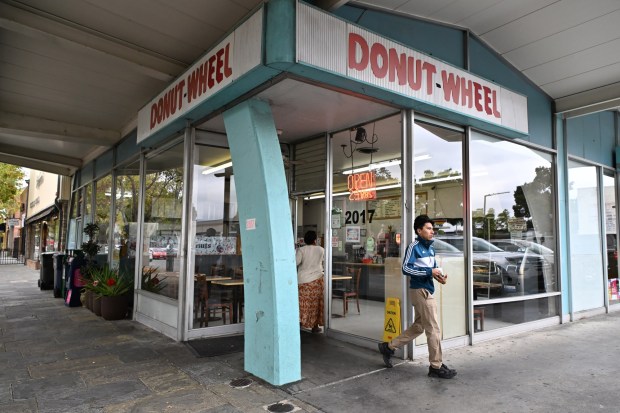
x=209 y=170
x=372 y=166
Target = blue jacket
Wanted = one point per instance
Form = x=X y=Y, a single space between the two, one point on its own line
x=419 y=263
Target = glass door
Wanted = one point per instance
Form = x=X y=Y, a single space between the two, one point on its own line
x=366 y=226
x=611 y=235
x=585 y=237
x=215 y=262
x=438 y=178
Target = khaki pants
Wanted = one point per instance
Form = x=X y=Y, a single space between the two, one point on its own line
x=425 y=309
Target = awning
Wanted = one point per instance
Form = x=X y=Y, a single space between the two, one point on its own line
x=42 y=214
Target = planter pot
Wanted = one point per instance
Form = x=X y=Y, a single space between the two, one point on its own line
x=114 y=308
x=96 y=305
x=88 y=299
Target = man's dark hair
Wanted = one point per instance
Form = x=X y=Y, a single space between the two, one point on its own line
x=420 y=221
x=310 y=237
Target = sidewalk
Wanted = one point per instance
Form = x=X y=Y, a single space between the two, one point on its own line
x=59 y=359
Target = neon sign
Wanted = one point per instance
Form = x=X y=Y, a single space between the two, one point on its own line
x=362 y=186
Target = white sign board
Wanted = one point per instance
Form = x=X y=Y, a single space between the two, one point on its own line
x=236 y=55
x=329 y=43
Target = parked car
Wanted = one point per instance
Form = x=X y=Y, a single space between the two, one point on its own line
x=502 y=272
x=158 y=253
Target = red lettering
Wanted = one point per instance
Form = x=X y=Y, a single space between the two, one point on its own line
x=196 y=82
x=153 y=115
x=451 y=86
x=227 y=68
x=354 y=41
x=211 y=66
x=466 y=93
x=487 y=100
x=160 y=110
x=430 y=71
x=477 y=96
x=219 y=73
x=179 y=90
x=398 y=66
x=495 y=109
x=414 y=78
x=379 y=69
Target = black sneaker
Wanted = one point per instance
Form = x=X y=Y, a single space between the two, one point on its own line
x=441 y=373
x=387 y=354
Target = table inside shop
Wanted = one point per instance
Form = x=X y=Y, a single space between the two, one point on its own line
x=485 y=288
x=372 y=282
x=202 y=285
x=237 y=291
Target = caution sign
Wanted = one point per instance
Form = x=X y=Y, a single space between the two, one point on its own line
x=391 y=327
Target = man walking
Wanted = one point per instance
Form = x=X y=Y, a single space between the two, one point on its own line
x=420 y=265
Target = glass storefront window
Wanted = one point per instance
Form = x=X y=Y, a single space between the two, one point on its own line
x=103 y=203
x=215 y=241
x=72 y=231
x=609 y=194
x=438 y=162
x=366 y=225
x=585 y=237
x=125 y=224
x=513 y=224
x=163 y=207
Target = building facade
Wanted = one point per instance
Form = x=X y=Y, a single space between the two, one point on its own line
x=351 y=124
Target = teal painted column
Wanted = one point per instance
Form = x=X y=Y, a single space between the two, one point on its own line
x=272 y=341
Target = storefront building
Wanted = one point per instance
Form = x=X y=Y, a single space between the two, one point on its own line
x=351 y=125
x=45 y=219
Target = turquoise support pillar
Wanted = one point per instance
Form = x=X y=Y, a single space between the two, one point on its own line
x=272 y=340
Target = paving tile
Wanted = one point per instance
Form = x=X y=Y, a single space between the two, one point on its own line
x=66 y=366
x=182 y=401
x=95 y=398
x=170 y=381
x=47 y=387
x=21 y=406
x=123 y=371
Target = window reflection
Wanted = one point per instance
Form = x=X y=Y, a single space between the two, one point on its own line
x=126 y=218
x=609 y=194
x=438 y=161
x=163 y=205
x=103 y=203
x=215 y=241
x=513 y=218
x=585 y=237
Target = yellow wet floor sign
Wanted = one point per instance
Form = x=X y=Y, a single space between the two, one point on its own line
x=391 y=327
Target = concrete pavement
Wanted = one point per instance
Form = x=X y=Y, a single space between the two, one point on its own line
x=59 y=359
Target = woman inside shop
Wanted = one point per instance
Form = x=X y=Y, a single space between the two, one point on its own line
x=310 y=270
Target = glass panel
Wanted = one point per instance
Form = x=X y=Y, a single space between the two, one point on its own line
x=88 y=205
x=438 y=160
x=609 y=194
x=72 y=232
x=366 y=225
x=585 y=237
x=103 y=204
x=163 y=206
x=215 y=241
x=492 y=316
x=512 y=192
x=125 y=233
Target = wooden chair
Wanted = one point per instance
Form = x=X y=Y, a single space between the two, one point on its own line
x=478 y=319
x=207 y=307
x=350 y=290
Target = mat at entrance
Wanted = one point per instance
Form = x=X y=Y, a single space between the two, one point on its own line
x=217 y=346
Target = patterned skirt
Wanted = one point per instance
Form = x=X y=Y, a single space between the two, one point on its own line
x=311 y=301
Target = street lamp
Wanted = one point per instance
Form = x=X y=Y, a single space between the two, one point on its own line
x=484 y=210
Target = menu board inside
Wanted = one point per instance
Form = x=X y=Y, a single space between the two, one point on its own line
x=385 y=208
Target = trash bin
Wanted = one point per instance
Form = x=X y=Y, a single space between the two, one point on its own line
x=46 y=275
x=59 y=286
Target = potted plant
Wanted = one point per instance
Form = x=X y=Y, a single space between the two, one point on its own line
x=90 y=247
x=113 y=290
x=151 y=280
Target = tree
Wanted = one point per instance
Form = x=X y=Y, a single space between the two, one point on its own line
x=10 y=185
